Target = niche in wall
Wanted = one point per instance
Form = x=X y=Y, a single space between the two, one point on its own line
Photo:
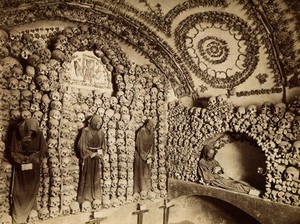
x=240 y=157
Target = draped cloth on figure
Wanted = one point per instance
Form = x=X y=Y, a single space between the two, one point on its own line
x=27 y=146
x=206 y=169
x=90 y=141
x=144 y=150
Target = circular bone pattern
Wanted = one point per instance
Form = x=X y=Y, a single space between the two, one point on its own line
x=203 y=40
x=213 y=49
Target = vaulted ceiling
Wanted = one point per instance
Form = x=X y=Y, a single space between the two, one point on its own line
x=204 y=47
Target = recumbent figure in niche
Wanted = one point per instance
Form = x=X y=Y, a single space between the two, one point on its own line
x=92 y=146
x=28 y=148
x=213 y=174
x=144 y=156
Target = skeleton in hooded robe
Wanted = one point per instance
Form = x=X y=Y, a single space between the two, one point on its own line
x=144 y=156
x=28 y=147
x=92 y=146
x=212 y=173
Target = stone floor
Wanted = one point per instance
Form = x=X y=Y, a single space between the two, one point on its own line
x=120 y=215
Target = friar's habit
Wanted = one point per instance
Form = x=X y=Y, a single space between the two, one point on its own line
x=207 y=167
x=91 y=140
x=28 y=147
x=144 y=156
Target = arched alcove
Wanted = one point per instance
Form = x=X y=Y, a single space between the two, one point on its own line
x=240 y=156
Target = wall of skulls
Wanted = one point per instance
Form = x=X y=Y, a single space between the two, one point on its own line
x=35 y=83
x=275 y=128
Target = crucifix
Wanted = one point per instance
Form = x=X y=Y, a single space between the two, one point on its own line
x=167 y=205
x=141 y=209
x=96 y=219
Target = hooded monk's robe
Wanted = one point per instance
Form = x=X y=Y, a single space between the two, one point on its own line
x=26 y=182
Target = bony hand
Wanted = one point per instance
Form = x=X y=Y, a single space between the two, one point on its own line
x=217 y=170
x=94 y=154
x=149 y=160
x=34 y=158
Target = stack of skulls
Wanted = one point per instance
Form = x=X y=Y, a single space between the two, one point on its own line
x=54 y=158
x=69 y=127
x=273 y=128
x=5 y=180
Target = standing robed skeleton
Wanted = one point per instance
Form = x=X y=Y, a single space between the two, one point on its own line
x=92 y=146
x=28 y=147
x=144 y=156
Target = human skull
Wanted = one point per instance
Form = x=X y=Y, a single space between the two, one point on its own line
x=54 y=162
x=65 y=161
x=65 y=152
x=296 y=147
x=15 y=94
x=65 y=210
x=289 y=116
x=37 y=97
x=55 y=114
x=52 y=152
x=53 y=211
x=251 y=109
x=124 y=110
x=25 y=114
x=53 y=123
x=3 y=52
x=121 y=86
x=96 y=204
x=54 y=202
x=212 y=101
x=33 y=216
x=13 y=105
x=45 y=101
x=105 y=96
x=98 y=102
x=55 y=191
x=43 y=82
x=56 y=105
x=17 y=72
x=118 y=79
x=86 y=206
x=43 y=213
x=15 y=114
x=55 y=95
x=291 y=173
x=13 y=83
x=34 y=107
x=3 y=83
x=74 y=206
x=80 y=117
x=221 y=99
x=115 y=202
x=101 y=112
x=240 y=112
x=279 y=109
x=106 y=201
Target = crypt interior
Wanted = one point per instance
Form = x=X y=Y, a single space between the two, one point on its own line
x=215 y=75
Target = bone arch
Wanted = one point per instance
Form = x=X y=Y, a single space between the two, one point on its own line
x=153 y=47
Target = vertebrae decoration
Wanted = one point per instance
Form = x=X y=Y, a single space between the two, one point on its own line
x=195 y=34
x=274 y=128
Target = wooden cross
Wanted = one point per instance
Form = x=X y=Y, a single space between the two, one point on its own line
x=141 y=209
x=96 y=219
x=167 y=205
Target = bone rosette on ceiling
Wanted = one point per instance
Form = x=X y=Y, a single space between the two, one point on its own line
x=220 y=48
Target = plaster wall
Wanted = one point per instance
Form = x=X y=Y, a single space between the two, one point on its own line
x=240 y=161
